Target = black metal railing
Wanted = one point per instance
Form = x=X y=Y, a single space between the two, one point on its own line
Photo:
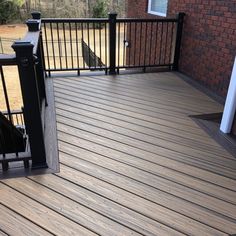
x=17 y=117
x=22 y=131
x=116 y=43
x=64 y=39
x=13 y=137
x=148 y=43
x=143 y=43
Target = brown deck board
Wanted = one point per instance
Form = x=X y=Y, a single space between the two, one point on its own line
x=38 y=213
x=129 y=91
x=146 y=108
x=107 y=121
x=170 y=121
x=135 y=156
x=74 y=211
x=144 y=216
x=160 y=147
x=132 y=162
x=119 y=116
x=104 y=144
x=125 y=94
x=121 y=213
x=9 y=219
x=182 y=191
x=3 y=233
x=141 y=193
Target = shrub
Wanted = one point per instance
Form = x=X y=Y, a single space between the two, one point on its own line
x=99 y=9
x=9 y=10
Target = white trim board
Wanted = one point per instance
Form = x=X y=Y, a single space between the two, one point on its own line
x=156 y=12
x=230 y=104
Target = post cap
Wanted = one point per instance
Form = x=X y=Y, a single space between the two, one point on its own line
x=33 y=25
x=181 y=14
x=20 y=44
x=112 y=14
x=36 y=15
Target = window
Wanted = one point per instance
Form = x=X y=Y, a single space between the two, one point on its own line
x=157 y=7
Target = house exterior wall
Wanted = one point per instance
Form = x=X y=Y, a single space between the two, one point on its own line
x=209 y=38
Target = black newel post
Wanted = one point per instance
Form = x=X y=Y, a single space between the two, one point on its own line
x=112 y=43
x=36 y=15
x=32 y=112
x=180 y=23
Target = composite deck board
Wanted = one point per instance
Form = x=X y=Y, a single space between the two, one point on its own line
x=115 y=128
x=170 y=122
x=128 y=127
x=135 y=151
x=134 y=155
x=38 y=213
x=124 y=103
x=121 y=116
x=150 y=109
x=3 y=233
x=120 y=213
x=180 y=190
x=132 y=162
x=143 y=195
x=144 y=219
x=127 y=94
x=164 y=148
x=123 y=85
x=73 y=210
x=170 y=126
x=214 y=167
x=9 y=219
x=132 y=91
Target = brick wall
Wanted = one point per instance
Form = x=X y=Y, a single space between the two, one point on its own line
x=209 y=38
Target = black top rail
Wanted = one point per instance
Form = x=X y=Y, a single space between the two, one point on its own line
x=77 y=20
x=33 y=38
x=7 y=60
x=103 y=20
x=146 y=20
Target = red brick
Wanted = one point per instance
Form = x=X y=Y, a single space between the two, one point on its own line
x=209 y=38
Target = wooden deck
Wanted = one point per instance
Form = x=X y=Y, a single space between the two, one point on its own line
x=131 y=163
